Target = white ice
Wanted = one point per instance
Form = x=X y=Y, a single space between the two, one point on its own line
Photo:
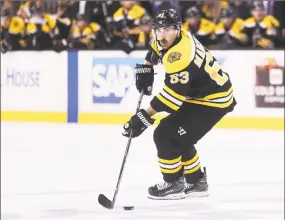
x=56 y=171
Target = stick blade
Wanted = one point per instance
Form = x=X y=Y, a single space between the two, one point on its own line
x=105 y=202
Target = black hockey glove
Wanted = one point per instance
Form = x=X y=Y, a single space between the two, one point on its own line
x=138 y=123
x=144 y=78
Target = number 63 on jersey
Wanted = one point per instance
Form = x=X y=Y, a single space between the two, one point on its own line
x=213 y=71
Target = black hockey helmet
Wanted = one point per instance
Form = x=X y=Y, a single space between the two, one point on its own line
x=227 y=12
x=257 y=5
x=165 y=18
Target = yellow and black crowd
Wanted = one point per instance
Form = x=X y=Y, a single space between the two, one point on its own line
x=126 y=25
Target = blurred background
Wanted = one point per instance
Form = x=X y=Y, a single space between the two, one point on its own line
x=126 y=25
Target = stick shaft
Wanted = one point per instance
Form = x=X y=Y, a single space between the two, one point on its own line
x=126 y=155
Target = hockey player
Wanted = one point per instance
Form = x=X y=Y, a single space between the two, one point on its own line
x=262 y=29
x=197 y=94
x=229 y=32
x=202 y=28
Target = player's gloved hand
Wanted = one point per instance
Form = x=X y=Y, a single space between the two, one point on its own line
x=138 y=123
x=144 y=78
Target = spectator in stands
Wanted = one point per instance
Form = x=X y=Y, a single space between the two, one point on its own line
x=126 y=20
x=11 y=31
x=40 y=29
x=126 y=25
x=229 y=32
x=85 y=35
x=262 y=29
x=202 y=28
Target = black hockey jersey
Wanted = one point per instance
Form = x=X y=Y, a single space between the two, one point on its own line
x=193 y=76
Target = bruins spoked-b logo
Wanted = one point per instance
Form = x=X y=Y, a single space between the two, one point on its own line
x=174 y=56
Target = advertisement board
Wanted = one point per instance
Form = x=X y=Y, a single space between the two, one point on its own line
x=106 y=81
x=34 y=84
x=269 y=84
x=99 y=87
x=105 y=100
x=243 y=68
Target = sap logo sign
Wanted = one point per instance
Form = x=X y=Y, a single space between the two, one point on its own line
x=112 y=78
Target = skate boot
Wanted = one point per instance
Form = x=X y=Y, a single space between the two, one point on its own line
x=198 y=189
x=168 y=191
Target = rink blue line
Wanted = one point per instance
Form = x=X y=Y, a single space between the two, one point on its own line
x=72 y=99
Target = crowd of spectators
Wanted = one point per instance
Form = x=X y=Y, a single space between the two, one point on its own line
x=126 y=25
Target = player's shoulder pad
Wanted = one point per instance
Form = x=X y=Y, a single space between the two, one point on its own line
x=207 y=22
x=180 y=56
x=240 y=21
x=239 y=24
x=118 y=15
x=207 y=27
x=250 y=22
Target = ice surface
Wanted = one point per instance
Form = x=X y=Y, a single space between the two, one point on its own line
x=56 y=171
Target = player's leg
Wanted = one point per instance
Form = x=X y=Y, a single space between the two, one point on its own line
x=193 y=127
x=196 y=180
x=169 y=159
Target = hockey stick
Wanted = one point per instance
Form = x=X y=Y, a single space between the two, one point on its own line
x=102 y=199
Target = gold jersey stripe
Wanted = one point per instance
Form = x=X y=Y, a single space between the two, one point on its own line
x=218 y=95
x=193 y=160
x=168 y=103
x=192 y=170
x=217 y=105
x=171 y=171
x=173 y=161
x=174 y=94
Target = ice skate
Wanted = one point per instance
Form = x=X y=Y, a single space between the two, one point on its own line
x=168 y=191
x=198 y=189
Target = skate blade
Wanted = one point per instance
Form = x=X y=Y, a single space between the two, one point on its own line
x=197 y=194
x=175 y=196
